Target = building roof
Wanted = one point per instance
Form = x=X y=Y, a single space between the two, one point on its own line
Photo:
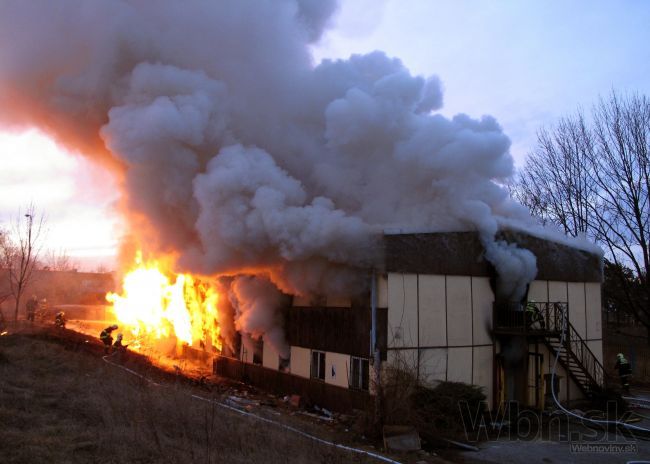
x=461 y=253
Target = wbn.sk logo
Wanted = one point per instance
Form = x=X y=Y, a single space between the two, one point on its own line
x=512 y=423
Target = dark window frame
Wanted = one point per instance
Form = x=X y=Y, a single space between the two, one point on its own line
x=317 y=365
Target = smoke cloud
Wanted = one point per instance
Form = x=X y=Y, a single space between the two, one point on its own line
x=239 y=154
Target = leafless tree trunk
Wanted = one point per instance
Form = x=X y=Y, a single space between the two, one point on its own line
x=21 y=254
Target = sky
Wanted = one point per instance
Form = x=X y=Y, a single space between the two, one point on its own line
x=526 y=63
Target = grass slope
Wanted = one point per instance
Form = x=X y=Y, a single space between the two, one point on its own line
x=60 y=404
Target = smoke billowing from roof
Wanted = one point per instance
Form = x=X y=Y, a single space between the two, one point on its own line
x=238 y=153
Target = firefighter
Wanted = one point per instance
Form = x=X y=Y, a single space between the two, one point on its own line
x=118 y=346
x=31 y=306
x=624 y=371
x=533 y=316
x=106 y=338
x=59 y=320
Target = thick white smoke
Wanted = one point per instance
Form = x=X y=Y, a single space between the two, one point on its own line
x=238 y=153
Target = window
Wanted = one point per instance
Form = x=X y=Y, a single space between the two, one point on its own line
x=257 y=351
x=318 y=365
x=284 y=364
x=359 y=373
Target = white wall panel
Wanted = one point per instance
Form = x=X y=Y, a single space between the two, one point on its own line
x=482 y=300
x=433 y=365
x=557 y=291
x=596 y=347
x=337 y=369
x=402 y=310
x=270 y=357
x=538 y=291
x=483 y=372
x=459 y=311
x=460 y=365
x=300 y=361
x=594 y=310
x=577 y=307
x=432 y=310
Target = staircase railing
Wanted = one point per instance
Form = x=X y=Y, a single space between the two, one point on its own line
x=546 y=320
x=582 y=354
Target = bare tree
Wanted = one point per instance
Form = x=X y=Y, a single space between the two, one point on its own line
x=594 y=179
x=621 y=174
x=58 y=260
x=556 y=182
x=5 y=250
x=20 y=252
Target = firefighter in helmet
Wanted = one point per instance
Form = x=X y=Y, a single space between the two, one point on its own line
x=106 y=338
x=118 y=345
x=624 y=371
x=59 y=320
x=534 y=318
x=31 y=306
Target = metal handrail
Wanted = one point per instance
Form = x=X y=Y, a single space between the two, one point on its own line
x=547 y=319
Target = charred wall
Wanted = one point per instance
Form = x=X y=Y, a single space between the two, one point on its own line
x=339 y=330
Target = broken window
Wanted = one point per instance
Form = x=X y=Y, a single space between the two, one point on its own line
x=318 y=365
x=359 y=373
x=257 y=352
x=285 y=364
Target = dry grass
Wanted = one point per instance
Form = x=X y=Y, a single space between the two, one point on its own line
x=65 y=406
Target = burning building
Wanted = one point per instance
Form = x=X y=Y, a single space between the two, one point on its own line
x=248 y=173
x=439 y=313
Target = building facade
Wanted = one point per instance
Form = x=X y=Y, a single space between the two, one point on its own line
x=437 y=314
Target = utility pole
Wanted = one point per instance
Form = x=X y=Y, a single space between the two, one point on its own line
x=376 y=364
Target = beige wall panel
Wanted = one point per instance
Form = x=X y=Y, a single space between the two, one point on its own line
x=432 y=310
x=482 y=300
x=538 y=291
x=459 y=367
x=577 y=307
x=594 y=310
x=548 y=366
x=557 y=291
x=575 y=392
x=408 y=358
x=483 y=372
x=300 y=361
x=337 y=368
x=270 y=357
x=382 y=291
x=459 y=311
x=433 y=365
x=596 y=347
x=402 y=310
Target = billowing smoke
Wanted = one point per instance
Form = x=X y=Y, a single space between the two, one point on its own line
x=239 y=154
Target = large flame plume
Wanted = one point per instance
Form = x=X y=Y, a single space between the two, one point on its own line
x=156 y=305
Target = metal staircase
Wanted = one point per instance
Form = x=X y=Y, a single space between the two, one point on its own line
x=546 y=322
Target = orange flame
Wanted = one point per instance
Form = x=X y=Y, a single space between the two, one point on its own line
x=152 y=307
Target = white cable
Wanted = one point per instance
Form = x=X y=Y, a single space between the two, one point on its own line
x=566 y=411
x=263 y=419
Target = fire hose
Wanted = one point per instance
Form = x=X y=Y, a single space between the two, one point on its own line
x=260 y=418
